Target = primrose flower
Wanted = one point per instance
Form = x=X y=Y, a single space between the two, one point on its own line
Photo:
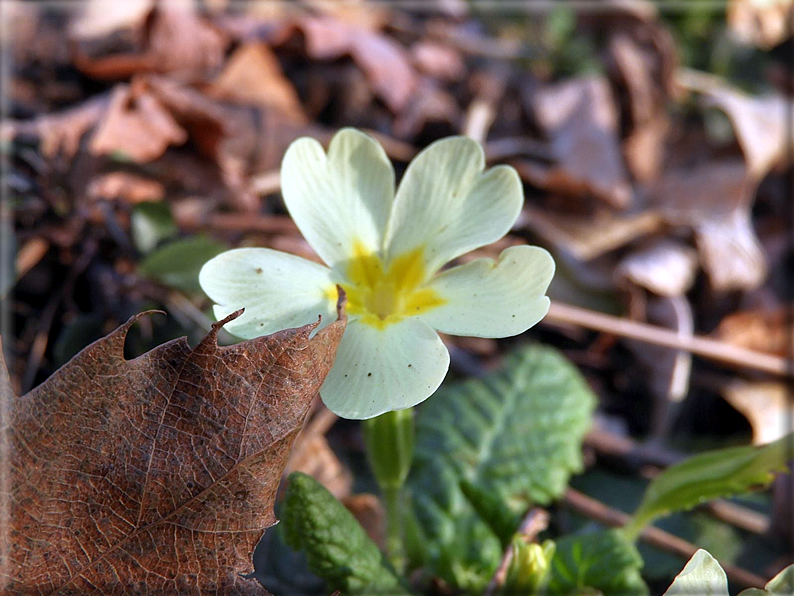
x=386 y=250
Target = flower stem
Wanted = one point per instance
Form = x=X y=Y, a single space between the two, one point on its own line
x=394 y=528
x=389 y=440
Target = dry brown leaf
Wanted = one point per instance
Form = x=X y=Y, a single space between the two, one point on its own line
x=642 y=59
x=363 y=14
x=714 y=199
x=429 y=104
x=316 y=458
x=580 y=118
x=154 y=475
x=759 y=330
x=173 y=39
x=126 y=186
x=665 y=267
x=766 y=405
x=731 y=252
x=368 y=511
x=764 y=23
x=136 y=125
x=644 y=149
x=438 y=61
x=253 y=76
x=154 y=113
x=97 y=18
x=761 y=124
x=589 y=236
x=386 y=63
x=59 y=133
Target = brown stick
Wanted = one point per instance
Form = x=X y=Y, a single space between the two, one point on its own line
x=565 y=314
x=30 y=254
x=267 y=183
x=608 y=516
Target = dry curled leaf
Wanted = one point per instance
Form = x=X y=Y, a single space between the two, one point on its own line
x=136 y=125
x=97 y=18
x=127 y=186
x=155 y=475
x=438 y=60
x=764 y=23
x=759 y=330
x=714 y=200
x=314 y=456
x=169 y=37
x=761 y=124
x=386 y=63
x=642 y=60
x=766 y=405
x=368 y=510
x=594 y=235
x=60 y=132
x=665 y=267
x=581 y=121
x=253 y=76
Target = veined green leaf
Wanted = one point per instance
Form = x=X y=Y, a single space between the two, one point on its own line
x=718 y=473
x=337 y=548
x=516 y=435
x=601 y=562
x=177 y=264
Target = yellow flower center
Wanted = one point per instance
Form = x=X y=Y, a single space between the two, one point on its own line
x=381 y=294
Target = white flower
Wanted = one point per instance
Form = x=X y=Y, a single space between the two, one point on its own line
x=385 y=250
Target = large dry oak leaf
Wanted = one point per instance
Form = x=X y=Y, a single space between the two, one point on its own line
x=155 y=475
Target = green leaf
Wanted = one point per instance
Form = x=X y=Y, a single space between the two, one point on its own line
x=516 y=434
x=177 y=264
x=8 y=253
x=625 y=491
x=710 y=475
x=780 y=585
x=151 y=223
x=337 y=548
x=701 y=576
x=600 y=562
x=492 y=510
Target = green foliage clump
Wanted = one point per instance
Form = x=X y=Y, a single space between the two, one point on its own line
x=336 y=546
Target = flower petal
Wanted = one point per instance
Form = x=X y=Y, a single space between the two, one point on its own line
x=487 y=298
x=277 y=290
x=340 y=198
x=447 y=205
x=379 y=370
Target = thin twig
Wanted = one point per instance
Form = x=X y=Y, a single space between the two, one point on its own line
x=321 y=422
x=241 y=222
x=565 y=314
x=534 y=522
x=665 y=541
x=479 y=117
x=266 y=183
x=30 y=254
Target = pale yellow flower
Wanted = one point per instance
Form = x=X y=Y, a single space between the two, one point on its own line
x=386 y=251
